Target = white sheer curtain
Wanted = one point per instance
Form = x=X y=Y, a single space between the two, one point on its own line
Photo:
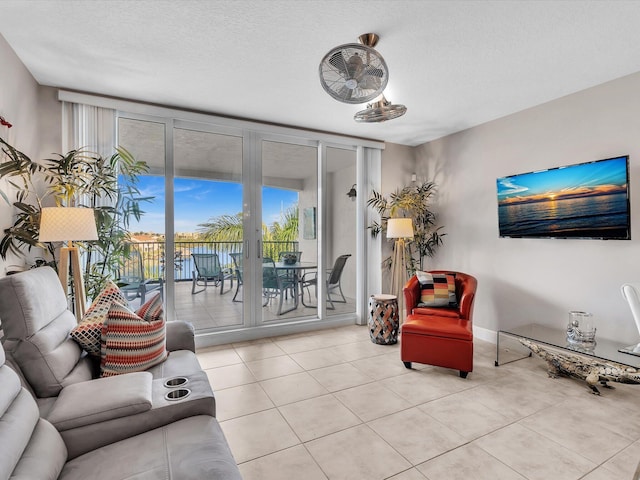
x=93 y=129
x=89 y=127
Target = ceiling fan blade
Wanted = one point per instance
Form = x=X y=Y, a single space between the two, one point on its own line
x=369 y=82
x=345 y=92
x=338 y=62
x=374 y=71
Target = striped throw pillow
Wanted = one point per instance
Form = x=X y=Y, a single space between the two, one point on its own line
x=87 y=333
x=437 y=290
x=152 y=309
x=133 y=341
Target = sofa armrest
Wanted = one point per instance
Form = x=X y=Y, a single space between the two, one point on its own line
x=411 y=292
x=180 y=336
x=467 y=298
x=95 y=401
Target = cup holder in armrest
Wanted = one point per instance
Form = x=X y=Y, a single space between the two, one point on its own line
x=176 y=382
x=177 y=394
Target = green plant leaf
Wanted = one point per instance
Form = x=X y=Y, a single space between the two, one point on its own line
x=410 y=202
x=77 y=178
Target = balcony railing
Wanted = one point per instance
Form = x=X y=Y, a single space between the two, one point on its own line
x=154 y=257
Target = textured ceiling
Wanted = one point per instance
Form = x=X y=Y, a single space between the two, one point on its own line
x=454 y=64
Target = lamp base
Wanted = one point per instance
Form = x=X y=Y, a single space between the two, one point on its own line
x=399 y=274
x=72 y=255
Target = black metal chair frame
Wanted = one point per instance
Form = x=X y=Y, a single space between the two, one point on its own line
x=274 y=285
x=204 y=272
x=136 y=284
x=289 y=275
x=237 y=265
x=333 y=281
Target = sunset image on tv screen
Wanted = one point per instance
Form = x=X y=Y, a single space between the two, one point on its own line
x=587 y=200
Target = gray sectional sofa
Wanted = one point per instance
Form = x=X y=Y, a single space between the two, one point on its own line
x=58 y=420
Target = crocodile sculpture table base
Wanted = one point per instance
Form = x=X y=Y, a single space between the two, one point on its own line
x=595 y=372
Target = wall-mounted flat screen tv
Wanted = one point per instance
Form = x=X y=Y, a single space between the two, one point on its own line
x=586 y=200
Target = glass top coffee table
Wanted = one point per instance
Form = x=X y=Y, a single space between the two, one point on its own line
x=603 y=349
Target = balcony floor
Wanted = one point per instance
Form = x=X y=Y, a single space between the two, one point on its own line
x=208 y=309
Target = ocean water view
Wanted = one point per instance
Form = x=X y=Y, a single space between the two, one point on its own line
x=595 y=216
x=154 y=258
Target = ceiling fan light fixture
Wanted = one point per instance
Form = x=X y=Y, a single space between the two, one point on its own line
x=380 y=111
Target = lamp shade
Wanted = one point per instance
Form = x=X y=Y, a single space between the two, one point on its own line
x=58 y=224
x=399 y=228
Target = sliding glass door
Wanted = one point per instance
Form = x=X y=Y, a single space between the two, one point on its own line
x=146 y=140
x=244 y=229
x=289 y=206
x=208 y=229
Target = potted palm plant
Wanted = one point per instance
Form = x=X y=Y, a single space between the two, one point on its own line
x=411 y=202
x=77 y=178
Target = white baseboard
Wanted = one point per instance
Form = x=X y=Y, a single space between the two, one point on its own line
x=240 y=335
x=267 y=330
x=484 y=334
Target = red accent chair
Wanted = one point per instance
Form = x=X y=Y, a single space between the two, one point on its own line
x=441 y=336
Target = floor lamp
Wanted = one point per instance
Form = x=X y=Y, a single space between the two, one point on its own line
x=399 y=228
x=59 y=224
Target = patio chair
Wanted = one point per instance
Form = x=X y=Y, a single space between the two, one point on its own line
x=289 y=257
x=237 y=266
x=133 y=282
x=208 y=269
x=332 y=281
x=274 y=285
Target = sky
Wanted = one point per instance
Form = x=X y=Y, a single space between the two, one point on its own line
x=198 y=201
x=592 y=178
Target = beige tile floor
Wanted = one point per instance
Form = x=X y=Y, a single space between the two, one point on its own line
x=332 y=405
x=208 y=309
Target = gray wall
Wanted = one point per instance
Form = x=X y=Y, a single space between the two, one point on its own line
x=398 y=164
x=35 y=115
x=539 y=280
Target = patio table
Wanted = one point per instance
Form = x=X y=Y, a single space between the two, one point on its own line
x=298 y=270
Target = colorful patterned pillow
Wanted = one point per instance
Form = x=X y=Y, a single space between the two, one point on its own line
x=131 y=343
x=152 y=309
x=87 y=332
x=437 y=290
